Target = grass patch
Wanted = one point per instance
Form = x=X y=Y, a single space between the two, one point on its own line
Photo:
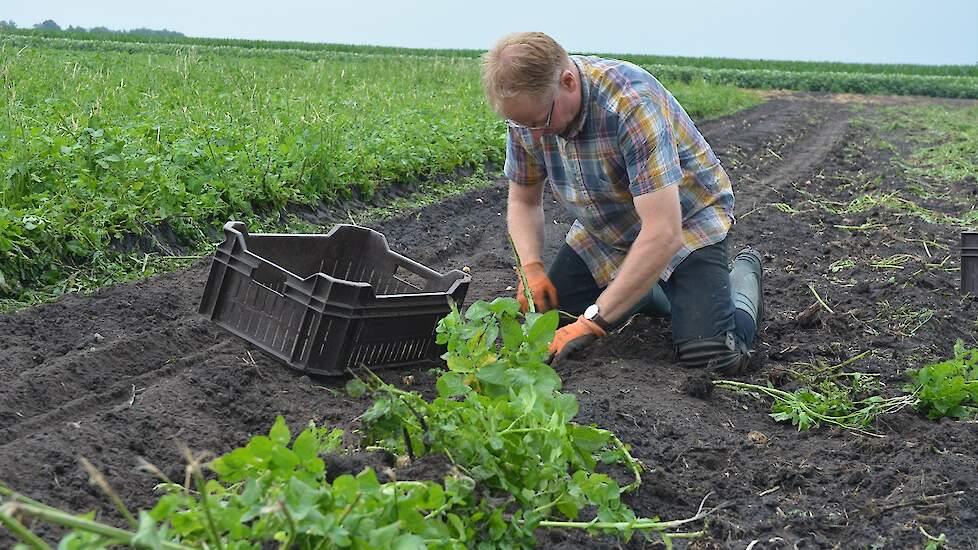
x=945 y=140
x=702 y=100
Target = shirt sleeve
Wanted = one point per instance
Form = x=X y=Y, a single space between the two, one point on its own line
x=648 y=146
x=523 y=166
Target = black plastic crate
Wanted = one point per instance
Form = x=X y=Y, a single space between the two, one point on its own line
x=326 y=303
x=969 y=262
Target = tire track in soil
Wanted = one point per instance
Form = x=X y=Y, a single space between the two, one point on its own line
x=92 y=400
x=807 y=155
x=69 y=382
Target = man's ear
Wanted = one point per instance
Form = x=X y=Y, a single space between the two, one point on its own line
x=567 y=80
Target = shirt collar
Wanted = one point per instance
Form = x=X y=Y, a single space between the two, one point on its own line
x=578 y=123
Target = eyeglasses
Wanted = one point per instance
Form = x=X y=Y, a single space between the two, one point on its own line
x=517 y=126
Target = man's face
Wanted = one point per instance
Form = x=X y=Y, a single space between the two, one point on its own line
x=533 y=112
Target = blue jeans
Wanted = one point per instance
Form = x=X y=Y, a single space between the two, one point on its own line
x=696 y=296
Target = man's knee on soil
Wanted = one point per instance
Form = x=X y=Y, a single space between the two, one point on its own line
x=724 y=354
x=730 y=352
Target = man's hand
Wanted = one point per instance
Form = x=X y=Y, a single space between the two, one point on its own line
x=544 y=292
x=574 y=337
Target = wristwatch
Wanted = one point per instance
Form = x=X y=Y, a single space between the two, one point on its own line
x=592 y=314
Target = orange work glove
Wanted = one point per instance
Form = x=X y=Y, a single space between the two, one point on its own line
x=573 y=337
x=543 y=289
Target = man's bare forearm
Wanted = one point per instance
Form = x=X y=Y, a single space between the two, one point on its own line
x=525 y=221
x=645 y=262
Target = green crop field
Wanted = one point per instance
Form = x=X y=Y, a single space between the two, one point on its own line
x=105 y=141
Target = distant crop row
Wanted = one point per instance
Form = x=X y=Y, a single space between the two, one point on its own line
x=804 y=66
x=101 y=141
x=99 y=41
x=641 y=59
x=892 y=84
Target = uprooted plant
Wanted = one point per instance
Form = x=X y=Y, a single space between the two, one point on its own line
x=501 y=419
x=829 y=395
x=830 y=403
x=942 y=389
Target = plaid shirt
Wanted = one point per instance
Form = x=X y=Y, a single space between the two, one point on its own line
x=630 y=138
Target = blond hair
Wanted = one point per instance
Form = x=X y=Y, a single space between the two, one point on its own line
x=522 y=63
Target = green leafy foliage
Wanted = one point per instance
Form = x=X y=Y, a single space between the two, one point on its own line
x=500 y=418
x=98 y=145
x=271 y=491
x=274 y=491
x=943 y=389
x=945 y=147
x=806 y=407
x=935 y=543
x=948 y=388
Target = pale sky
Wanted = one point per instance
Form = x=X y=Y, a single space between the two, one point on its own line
x=895 y=31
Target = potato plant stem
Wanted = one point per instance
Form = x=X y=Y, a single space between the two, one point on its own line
x=440 y=510
x=643 y=524
x=98 y=479
x=292 y=527
x=193 y=464
x=211 y=527
x=17 y=528
x=23 y=499
x=522 y=275
x=850 y=360
x=634 y=465
x=820 y=300
x=622 y=526
x=61 y=518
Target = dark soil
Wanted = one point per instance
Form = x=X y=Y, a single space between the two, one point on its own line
x=132 y=371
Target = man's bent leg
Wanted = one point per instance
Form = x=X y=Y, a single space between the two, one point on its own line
x=709 y=329
x=576 y=289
